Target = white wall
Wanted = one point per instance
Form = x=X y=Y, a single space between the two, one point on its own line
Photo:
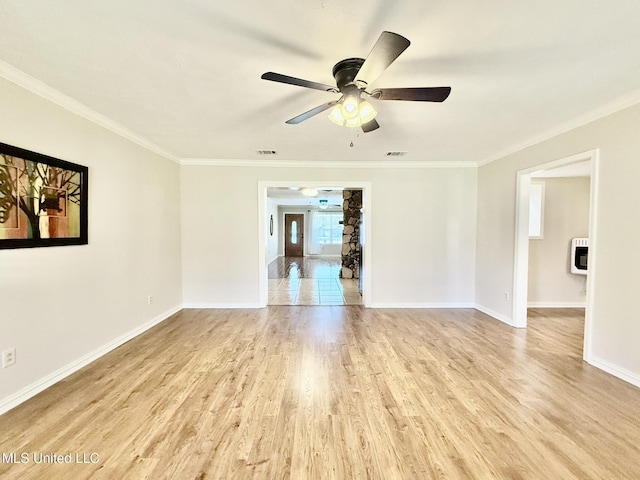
x=61 y=305
x=566 y=216
x=615 y=329
x=273 y=238
x=422 y=232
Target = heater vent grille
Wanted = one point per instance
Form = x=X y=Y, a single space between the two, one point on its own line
x=396 y=154
x=580 y=242
x=266 y=152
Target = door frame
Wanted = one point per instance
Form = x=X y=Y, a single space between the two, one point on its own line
x=263 y=230
x=521 y=251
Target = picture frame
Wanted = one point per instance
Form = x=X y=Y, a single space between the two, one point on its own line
x=43 y=200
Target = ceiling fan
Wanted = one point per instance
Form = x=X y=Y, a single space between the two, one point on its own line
x=353 y=76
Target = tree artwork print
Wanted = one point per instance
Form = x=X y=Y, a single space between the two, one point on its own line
x=42 y=200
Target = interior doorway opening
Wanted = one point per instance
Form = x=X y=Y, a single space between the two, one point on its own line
x=307 y=234
x=522 y=237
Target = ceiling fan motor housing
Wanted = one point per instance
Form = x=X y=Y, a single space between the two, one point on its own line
x=345 y=71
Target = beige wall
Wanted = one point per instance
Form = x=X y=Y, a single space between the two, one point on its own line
x=422 y=232
x=615 y=328
x=566 y=216
x=59 y=305
x=272 y=239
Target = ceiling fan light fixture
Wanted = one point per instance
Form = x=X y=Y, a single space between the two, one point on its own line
x=352 y=77
x=323 y=204
x=366 y=112
x=350 y=106
x=353 y=122
x=335 y=115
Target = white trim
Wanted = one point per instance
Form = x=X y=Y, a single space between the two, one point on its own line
x=557 y=305
x=519 y=294
x=593 y=251
x=47 y=381
x=322 y=164
x=542 y=185
x=610 y=108
x=43 y=90
x=615 y=370
x=521 y=250
x=422 y=305
x=221 y=306
x=496 y=315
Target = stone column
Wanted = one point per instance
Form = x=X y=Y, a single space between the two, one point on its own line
x=351 y=205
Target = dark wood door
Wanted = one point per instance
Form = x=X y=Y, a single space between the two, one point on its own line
x=293 y=235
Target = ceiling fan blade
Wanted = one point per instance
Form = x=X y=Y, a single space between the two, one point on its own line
x=314 y=111
x=278 y=77
x=426 y=94
x=388 y=47
x=370 y=126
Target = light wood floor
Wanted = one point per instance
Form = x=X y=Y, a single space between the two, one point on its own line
x=337 y=393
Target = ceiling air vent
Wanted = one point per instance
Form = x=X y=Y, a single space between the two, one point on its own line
x=396 y=154
x=266 y=152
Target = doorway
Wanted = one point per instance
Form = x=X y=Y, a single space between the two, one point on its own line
x=293 y=235
x=265 y=240
x=521 y=255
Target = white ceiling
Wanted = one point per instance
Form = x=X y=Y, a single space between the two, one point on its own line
x=185 y=75
x=287 y=196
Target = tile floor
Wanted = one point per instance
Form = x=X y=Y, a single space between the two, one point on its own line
x=310 y=281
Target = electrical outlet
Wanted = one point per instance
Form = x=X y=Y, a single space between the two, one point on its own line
x=506 y=296
x=150 y=300
x=8 y=357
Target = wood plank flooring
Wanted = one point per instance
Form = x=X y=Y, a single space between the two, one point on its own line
x=336 y=393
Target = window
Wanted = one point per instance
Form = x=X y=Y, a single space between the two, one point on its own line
x=294 y=232
x=536 y=210
x=327 y=228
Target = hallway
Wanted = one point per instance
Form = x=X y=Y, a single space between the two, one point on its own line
x=310 y=281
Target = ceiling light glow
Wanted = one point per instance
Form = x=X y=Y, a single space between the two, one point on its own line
x=358 y=114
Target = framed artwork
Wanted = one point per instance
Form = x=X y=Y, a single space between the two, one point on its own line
x=43 y=200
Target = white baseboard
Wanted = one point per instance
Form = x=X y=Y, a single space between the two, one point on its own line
x=494 y=314
x=556 y=305
x=222 y=305
x=421 y=305
x=615 y=370
x=29 y=391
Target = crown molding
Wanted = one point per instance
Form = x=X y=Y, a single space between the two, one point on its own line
x=607 y=109
x=18 y=77
x=12 y=74
x=321 y=164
